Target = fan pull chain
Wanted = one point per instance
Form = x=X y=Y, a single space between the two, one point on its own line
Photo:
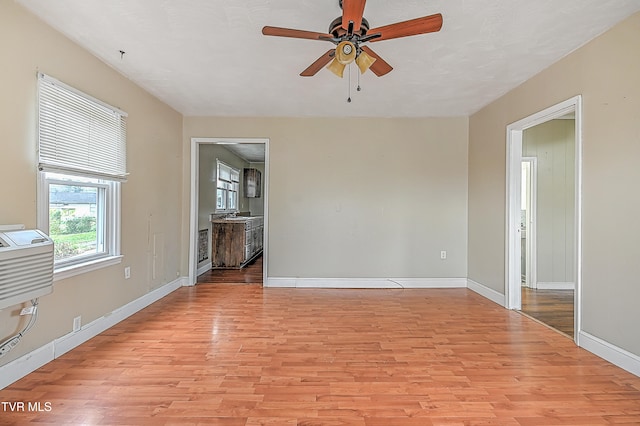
x=349 y=98
x=358 y=88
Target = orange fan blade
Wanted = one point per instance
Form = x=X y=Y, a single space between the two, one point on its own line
x=352 y=10
x=426 y=24
x=288 y=32
x=319 y=64
x=379 y=67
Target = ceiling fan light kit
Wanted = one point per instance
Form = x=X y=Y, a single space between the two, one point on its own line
x=364 y=61
x=345 y=53
x=337 y=68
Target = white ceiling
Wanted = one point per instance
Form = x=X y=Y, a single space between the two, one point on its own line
x=209 y=58
x=251 y=152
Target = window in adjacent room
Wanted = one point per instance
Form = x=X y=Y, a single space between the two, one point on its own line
x=227 y=187
x=82 y=163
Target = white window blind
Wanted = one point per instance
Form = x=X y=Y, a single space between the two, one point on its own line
x=79 y=134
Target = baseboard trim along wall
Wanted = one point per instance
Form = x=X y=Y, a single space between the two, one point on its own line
x=204 y=268
x=605 y=350
x=487 y=292
x=555 y=286
x=366 y=282
x=20 y=367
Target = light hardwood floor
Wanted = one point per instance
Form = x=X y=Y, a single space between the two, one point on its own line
x=252 y=273
x=551 y=307
x=240 y=354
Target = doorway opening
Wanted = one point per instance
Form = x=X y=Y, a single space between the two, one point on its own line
x=543 y=216
x=198 y=219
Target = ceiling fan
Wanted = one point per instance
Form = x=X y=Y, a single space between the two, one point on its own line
x=349 y=32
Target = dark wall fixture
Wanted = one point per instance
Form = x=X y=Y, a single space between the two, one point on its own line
x=252 y=183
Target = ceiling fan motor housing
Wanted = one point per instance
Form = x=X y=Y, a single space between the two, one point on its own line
x=335 y=28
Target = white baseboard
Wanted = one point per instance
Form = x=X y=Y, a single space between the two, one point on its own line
x=20 y=367
x=615 y=355
x=366 y=282
x=555 y=286
x=487 y=292
x=69 y=341
x=279 y=282
x=204 y=268
x=35 y=359
x=431 y=282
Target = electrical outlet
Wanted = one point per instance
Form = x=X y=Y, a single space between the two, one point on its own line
x=127 y=272
x=443 y=254
x=77 y=323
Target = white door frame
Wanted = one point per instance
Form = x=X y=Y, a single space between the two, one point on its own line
x=532 y=279
x=194 y=202
x=514 y=160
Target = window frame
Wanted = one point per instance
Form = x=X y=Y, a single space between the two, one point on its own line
x=228 y=187
x=108 y=183
x=111 y=197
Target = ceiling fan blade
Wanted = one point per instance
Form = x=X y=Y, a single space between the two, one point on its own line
x=426 y=24
x=352 y=10
x=380 y=67
x=288 y=32
x=318 y=64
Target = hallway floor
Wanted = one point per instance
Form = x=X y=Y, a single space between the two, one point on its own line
x=552 y=307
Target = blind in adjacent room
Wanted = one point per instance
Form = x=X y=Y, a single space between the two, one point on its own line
x=78 y=134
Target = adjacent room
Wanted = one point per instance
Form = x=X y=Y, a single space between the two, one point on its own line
x=319 y=212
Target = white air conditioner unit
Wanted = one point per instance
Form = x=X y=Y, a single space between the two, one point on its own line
x=26 y=266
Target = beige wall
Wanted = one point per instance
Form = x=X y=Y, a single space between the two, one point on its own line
x=359 y=198
x=150 y=207
x=605 y=72
x=553 y=144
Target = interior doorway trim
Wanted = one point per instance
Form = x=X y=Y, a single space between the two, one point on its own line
x=514 y=185
x=194 y=202
x=531 y=228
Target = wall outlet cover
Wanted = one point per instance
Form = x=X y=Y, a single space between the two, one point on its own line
x=77 y=323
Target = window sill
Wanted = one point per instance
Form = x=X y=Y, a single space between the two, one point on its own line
x=73 y=270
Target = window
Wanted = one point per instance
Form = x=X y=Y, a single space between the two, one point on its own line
x=82 y=162
x=228 y=185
